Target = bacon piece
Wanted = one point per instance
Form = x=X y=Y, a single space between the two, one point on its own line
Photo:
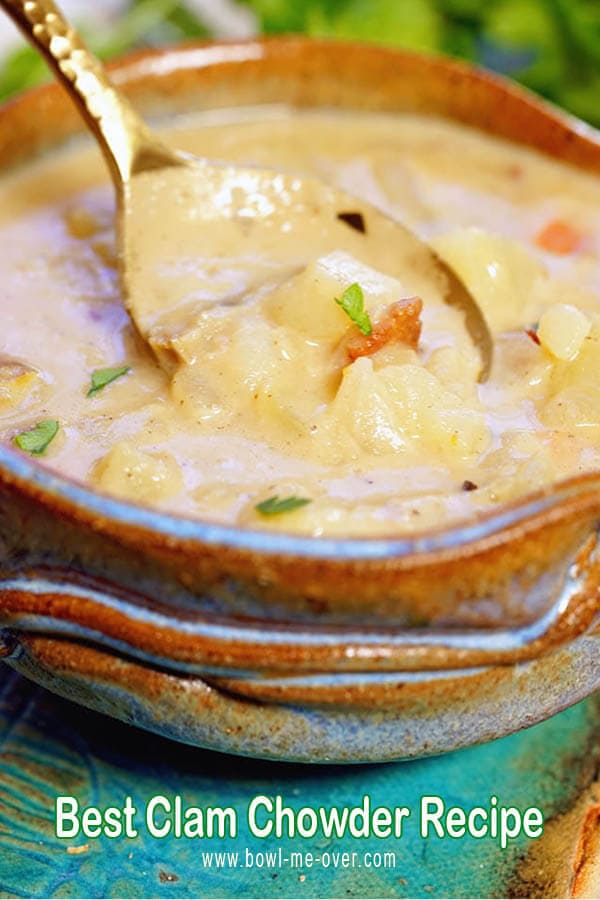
x=532 y=333
x=400 y=323
x=559 y=237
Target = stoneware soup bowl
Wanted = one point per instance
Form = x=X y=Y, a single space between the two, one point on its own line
x=286 y=647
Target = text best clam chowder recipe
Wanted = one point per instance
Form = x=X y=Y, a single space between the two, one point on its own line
x=272 y=817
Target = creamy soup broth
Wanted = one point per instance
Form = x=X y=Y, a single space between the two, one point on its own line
x=281 y=395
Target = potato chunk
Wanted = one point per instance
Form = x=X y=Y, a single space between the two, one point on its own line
x=404 y=408
x=500 y=273
x=364 y=408
x=574 y=402
x=137 y=475
x=16 y=382
x=307 y=304
x=563 y=329
x=435 y=416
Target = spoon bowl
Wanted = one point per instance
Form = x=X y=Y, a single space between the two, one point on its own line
x=228 y=232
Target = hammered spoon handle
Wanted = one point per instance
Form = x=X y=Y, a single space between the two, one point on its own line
x=126 y=141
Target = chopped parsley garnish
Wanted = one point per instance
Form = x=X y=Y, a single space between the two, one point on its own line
x=352 y=302
x=355 y=220
x=102 y=377
x=274 y=506
x=38 y=438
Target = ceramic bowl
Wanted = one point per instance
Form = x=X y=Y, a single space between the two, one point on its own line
x=287 y=647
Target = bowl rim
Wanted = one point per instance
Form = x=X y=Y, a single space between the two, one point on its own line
x=83 y=503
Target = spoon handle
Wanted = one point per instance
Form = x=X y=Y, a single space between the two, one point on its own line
x=125 y=139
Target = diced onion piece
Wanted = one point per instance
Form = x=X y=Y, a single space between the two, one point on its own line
x=562 y=330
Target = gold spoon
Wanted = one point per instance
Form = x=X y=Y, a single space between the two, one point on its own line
x=193 y=231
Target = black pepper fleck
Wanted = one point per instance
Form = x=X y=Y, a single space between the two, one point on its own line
x=355 y=220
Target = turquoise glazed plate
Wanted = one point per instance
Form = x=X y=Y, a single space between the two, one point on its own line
x=47 y=748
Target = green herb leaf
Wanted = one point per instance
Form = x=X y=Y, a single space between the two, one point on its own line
x=274 y=506
x=102 y=377
x=37 y=439
x=352 y=302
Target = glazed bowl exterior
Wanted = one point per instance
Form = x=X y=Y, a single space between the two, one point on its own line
x=283 y=646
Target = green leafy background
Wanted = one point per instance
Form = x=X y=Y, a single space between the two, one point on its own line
x=552 y=46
